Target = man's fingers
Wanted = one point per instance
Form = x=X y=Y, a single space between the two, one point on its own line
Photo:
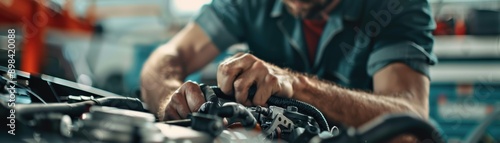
x=187 y=99
x=237 y=74
x=194 y=96
x=255 y=75
x=232 y=68
x=183 y=111
x=241 y=86
x=171 y=114
x=179 y=102
x=264 y=90
x=239 y=54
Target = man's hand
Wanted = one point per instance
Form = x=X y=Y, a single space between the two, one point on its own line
x=168 y=66
x=186 y=99
x=237 y=74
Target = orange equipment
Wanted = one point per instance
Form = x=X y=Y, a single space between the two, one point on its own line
x=36 y=17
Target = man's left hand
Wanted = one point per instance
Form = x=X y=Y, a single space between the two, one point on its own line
x=237 y=74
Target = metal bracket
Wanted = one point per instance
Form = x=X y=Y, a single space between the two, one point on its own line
x=282 y=120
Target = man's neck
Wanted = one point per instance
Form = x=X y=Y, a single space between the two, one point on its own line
x=321 y=12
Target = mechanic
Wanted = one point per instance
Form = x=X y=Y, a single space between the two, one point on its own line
x=352 y=59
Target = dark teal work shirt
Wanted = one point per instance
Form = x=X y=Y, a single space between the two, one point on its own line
x=360 y=37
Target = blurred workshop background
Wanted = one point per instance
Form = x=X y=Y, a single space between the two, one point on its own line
x=103 y=43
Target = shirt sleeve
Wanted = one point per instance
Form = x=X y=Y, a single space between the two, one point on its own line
x=222 y=21
x=406 y=38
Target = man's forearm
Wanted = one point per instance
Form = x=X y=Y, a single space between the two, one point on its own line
x=162 y=74
x=350 y=107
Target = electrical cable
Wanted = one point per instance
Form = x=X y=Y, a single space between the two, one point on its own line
x=303 y=108
x=281 y=102
x=27 y=89
x=53 y=92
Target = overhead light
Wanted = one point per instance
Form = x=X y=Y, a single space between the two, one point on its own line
x=188 y=6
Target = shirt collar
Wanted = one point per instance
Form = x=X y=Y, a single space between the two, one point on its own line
x=277 y=9
x=351 y=9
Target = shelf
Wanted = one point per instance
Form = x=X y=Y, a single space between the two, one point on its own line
x=466 y=72
x=465 y=47
x=462 y=1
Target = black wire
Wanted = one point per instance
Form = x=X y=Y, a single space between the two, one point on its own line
x=53 y=91
x=303 y=108
x=27 y=89
x=282 y=102
x=36 y=95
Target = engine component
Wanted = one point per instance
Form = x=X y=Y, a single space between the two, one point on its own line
x=85 y=120
x=26 y=112
x=54 y=122
x=237 y=113
x=212 y=92
x=386 y=127
x=308 y=133
x=107 y=124
x=207 y=123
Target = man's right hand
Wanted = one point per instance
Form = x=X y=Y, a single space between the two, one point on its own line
x=186 y=99
x=169 y=65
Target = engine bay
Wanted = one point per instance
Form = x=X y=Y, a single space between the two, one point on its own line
x=48 y=109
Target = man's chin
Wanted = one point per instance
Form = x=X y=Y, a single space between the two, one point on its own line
x=308 y=14
x=302 y=14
